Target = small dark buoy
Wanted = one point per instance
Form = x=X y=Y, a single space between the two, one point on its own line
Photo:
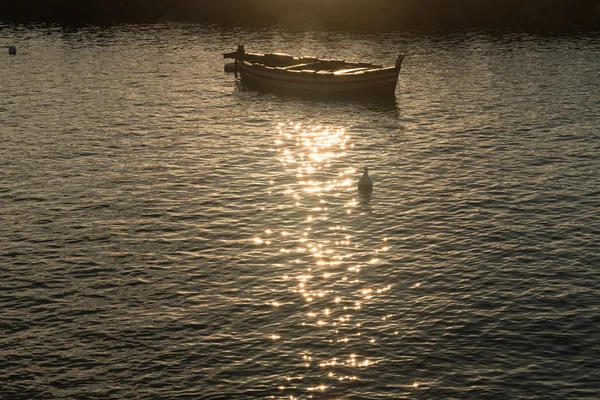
x=365 y=184
x=12 y=50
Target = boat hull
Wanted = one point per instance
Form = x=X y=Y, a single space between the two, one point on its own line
x=373 y=85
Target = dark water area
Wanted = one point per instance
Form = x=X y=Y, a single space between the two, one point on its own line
x=165 y=233
x=367 y=15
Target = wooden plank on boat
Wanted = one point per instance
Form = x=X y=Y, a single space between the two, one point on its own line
x=349 y=70
x=298 y=65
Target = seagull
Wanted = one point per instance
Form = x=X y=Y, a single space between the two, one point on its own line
x=365 y=184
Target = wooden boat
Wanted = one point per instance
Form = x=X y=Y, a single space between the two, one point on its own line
x=314 y=77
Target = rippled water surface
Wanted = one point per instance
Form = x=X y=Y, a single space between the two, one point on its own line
x=166 y=234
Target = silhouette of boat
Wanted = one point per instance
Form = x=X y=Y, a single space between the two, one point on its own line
x=314 y=77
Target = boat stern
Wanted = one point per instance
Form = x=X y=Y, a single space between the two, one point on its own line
x=238 y=54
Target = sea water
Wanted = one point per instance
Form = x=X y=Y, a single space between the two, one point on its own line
x=165 y=233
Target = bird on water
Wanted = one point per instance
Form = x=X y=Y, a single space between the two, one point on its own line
x=365 y=184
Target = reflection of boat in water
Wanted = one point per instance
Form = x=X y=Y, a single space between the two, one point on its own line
x=314 y=77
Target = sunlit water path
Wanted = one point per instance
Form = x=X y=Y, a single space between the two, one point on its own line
x=166 y=234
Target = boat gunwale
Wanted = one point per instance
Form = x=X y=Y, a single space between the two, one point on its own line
x=325 y=73
x=262 y=61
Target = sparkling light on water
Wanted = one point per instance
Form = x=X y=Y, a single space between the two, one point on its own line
x=325 y=265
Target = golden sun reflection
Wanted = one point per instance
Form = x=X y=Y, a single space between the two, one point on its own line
x=327 y=270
